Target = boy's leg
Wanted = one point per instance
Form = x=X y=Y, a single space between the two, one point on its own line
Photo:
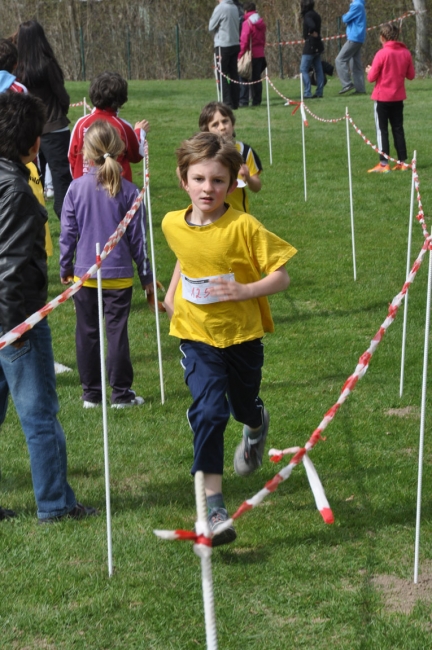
x=29 y=373
x=357 y=69
x=87 y=344
x=342 y=64
x=245 y=364
x=206 y=376
x=396 y=121
x=119 y=366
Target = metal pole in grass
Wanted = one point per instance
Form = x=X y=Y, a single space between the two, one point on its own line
x=204 y=551
x=216 y=77
x=150 y=227
x=351 y=193
x=303 y=140
x=268 y=117
x=405 y=318
x=104 y=413
x=422 y=417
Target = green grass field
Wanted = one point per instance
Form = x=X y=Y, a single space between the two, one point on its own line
x=289 y=581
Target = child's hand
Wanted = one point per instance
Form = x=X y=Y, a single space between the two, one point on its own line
x=143 y=125
x=67 y=280
x=226 y=290
x=244 y=173
x=368 y=67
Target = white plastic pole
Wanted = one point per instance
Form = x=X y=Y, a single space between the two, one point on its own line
x=220 y=76
x=351 y=194
x=204 y=552
x=150 y=228
x=85 y=106
x=268 y=117
x=408 y=267
x=303 y=141
x=104 y=414
x=422 y=420
x=216 y=77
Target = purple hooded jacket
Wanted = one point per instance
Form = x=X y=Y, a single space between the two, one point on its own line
x=89 y=216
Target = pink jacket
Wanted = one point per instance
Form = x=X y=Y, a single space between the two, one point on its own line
x=253 y=25
x=390 y=67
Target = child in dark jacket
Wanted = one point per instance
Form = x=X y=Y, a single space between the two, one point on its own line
x=390 y=67
x=93 y=208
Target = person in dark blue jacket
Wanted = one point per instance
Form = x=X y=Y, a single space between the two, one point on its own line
x=350 y=54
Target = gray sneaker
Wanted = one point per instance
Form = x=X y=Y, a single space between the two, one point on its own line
x=249 y=453
x=216 y=518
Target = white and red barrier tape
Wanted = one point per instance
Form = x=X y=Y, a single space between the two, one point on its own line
x=407 y=14
x=31 y=321
x=89 y=108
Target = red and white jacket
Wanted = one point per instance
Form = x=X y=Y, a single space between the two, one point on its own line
x=134 y=142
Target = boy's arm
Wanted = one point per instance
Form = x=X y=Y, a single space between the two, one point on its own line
x=227 y=290
x=169 y=296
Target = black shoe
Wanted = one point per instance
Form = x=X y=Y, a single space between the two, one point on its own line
x=78 y=512
x=346 y=89
x=6 y=514
x=316 y=96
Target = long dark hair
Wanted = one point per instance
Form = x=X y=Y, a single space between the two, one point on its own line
x=35 y=54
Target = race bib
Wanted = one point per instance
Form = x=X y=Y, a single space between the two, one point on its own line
x=197 y=290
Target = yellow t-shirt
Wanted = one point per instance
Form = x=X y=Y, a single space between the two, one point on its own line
x=36 y=185
x=236 y=243
x=239 y=199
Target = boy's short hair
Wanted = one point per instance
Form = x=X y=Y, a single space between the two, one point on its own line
x=390 y=31
x=109 y=90
x=22 y=119
x=8 y=55
x=210 y=110
x=208 y=146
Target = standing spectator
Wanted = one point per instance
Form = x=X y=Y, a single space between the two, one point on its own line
x=224 y=22
x=311 y=57
x=350 y=54
x=40 y=72
x=27 y=365
x=253 y=34
x=108 y=93
x=390 y=67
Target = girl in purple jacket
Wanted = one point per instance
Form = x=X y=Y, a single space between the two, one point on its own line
x=93 y=207
x=390 y=67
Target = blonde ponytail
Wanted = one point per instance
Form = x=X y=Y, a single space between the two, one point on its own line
x=102 y=146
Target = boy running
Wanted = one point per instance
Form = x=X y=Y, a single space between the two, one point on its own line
x=217 y=302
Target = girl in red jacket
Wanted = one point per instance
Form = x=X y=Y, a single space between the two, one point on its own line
x=390 y=67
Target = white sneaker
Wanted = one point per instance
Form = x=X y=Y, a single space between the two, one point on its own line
x=90 y=405
x=135 y=401
x=49 y=193
x=59 y=368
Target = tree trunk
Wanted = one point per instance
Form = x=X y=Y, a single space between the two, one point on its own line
x=423 y=50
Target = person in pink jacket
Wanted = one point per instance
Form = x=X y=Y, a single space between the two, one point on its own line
x=390 y=67
x=253 y=32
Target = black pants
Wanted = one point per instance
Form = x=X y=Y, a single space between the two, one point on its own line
x=116 y=307
x=228 y=65
x=392 y=112
x=54 y=147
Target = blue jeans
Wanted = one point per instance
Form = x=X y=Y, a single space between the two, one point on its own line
x=28 y=375
x=308 y=61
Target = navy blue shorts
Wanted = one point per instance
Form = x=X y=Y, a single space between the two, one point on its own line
x=222 y=381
